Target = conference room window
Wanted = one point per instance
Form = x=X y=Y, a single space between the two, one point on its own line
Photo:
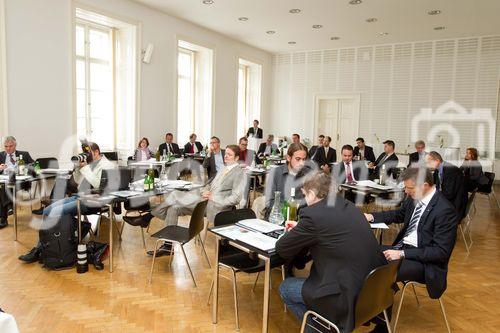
x=194 y=91
x=249 y=94
x=105 y=73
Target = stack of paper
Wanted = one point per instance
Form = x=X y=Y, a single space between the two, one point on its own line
x=369 y=183
x=259 y=225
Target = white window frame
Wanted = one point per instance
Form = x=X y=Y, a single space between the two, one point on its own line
x=88 y=60
x=3 y=73
x=192 y=55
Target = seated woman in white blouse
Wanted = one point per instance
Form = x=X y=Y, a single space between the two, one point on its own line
x=142 y=152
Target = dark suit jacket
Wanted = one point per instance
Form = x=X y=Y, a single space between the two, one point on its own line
x=257 y=135
x=437 y=230
x=209 y=164
x=473 y=175
x=262 y=149
x=321 y=159
x=390 y=163
x=312 y=151
x=452 y=186
x=343 y=250
x=26 y=157
x=197 y=149
x=359 y=170
x=369 y=155
x=175 y=148
x=414 y=159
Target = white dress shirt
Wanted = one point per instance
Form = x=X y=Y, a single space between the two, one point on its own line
x=8 y=162
x=350 y=169
x=412 y=238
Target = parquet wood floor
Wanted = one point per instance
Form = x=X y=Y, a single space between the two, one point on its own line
x=64 y=301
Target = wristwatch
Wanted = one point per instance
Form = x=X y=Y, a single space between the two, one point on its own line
x=402 y=254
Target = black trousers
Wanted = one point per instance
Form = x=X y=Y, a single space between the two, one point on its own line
x=5 y=201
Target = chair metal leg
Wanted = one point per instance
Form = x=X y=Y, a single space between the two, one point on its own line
x=415 y=293
x=153 y=262
x=143 y=239
x=171 y=255
x=399 y=307
x=255 y=283
x=235 y=294
x=444 y=314
x=283 y=277
x=187 y=263
x=387 y=322
x=210 y=292
x=204 y=252
x=465 y=239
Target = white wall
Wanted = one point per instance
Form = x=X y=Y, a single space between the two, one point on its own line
x=394 y=81
x=3 y=75
x=40 y=78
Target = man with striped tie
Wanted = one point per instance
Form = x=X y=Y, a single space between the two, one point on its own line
x=428 y=235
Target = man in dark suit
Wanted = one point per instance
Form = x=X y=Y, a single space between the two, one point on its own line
x=169 y=146
x=247 y=156
x=349 y=171
x=338 y=271
x=325 y=155
x=255 y=131
x=193 y=146
x=363 y=152
x=418 y=158
x=449 y=180
x=214 y=161
x=267 y=148
x=428 y=235
x=387 y=160
x=314 y=149
x=8 y=161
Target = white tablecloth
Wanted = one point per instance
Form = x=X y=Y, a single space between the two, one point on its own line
x=7 y=323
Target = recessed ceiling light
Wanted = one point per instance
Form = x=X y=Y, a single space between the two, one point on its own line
x=317 y=26
x=334 y=38
x=270 y=32
x=355 y=2
x=208 y=2
x=243 y=18
x=434 y=12
x=294 y=11
x=371 y=20
x=383 y=33
x=292 y=43
x=439 y=28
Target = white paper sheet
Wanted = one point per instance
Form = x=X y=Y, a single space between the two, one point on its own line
x=369 y=183
x=379 y=226
x=259 y=225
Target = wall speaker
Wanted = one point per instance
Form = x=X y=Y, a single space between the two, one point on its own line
x=147 y=53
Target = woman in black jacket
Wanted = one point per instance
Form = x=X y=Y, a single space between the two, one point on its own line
x=472 y=170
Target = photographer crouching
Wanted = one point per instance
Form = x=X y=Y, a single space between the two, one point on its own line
x=86 y=176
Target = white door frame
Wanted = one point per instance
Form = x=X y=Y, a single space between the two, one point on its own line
x=326 y=96
x=3 y=73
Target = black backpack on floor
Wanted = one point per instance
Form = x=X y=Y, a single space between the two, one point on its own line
x=59 y=240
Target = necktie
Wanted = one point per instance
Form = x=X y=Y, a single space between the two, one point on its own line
x=437 y=180
x=412 y=225
x=348 y=173
x=169 y=148
x=192 y=148
x=12 y=160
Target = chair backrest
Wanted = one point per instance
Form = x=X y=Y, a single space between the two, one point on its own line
x=470 y=202
x=233 y=216
x=377 y=294
x=48 y=163
x=115 y=179
x=197 y=222
x=111 y=155
x=487 y=187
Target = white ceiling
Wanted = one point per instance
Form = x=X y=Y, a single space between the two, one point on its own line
x=403 y=20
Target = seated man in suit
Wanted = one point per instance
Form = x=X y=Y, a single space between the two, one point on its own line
x=287 y=176
x=86 y=176
x=8 y=161
x=214 y=161
x=267 y=148
x=325 y=227
x=295 y=138
x=428 y=235
x=325 y=155
x=418 y=158
x=314 y=149
x=349 y=171
x=169 y=146
x=193 y=146
x=363 y=152
x=224 y=192
x=255 y=131
x=247 y=156
x=449 y=180
x=388 y=159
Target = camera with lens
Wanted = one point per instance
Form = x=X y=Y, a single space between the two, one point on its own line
x=80 y=158
x=85 y=156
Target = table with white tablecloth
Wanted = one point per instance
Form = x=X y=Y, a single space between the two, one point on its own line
x=7 y=323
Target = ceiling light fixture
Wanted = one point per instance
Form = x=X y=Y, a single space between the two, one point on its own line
x=243 y=18
x=294 y=11
x=317 y=26
x=208 y=2
x=371 y=20
x=270 y=32
x=439 y=28
x=383 y=33
x=434 y=12
x=355 y=2
x=334 y=38
x=292 y=43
